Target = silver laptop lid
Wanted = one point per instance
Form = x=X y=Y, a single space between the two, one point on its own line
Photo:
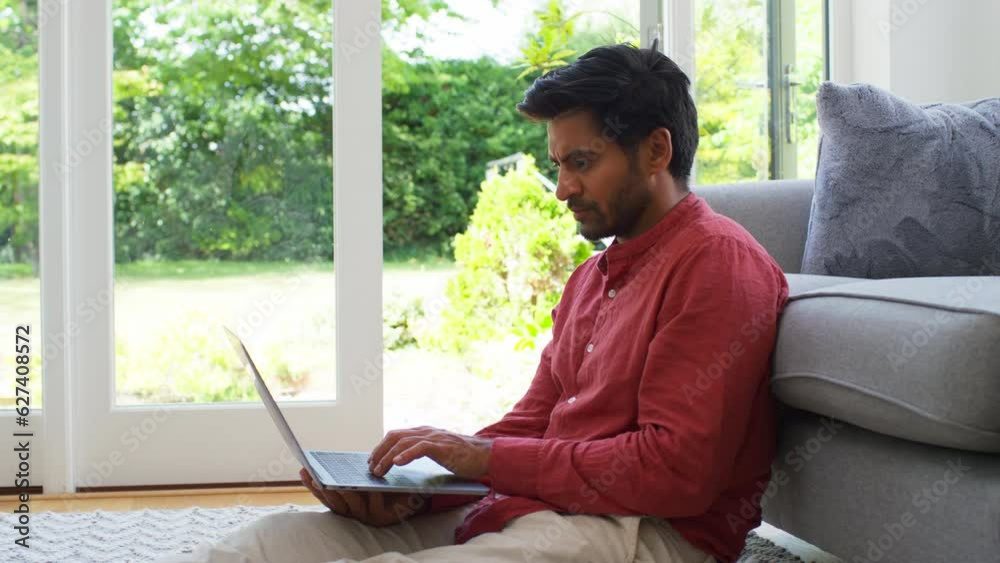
x=272 y=406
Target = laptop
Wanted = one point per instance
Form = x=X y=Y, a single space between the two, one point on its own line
x=349 y=470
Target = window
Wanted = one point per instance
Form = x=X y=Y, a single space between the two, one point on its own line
x=757 y=65
x=223 y=203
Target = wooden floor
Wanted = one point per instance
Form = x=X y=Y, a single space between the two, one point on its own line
x=208 y=498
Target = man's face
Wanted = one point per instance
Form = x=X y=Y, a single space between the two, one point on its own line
x=605 y=189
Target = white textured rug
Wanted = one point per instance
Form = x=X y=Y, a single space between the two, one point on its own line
x=143 y=535
x=126 y=536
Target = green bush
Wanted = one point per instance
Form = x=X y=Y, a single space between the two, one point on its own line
x=442 y=122
x=223 y=149
x=514 y=259
x=400 y=321
x=250 y=179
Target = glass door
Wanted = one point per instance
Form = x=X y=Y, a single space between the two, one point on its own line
x=808 y=67
x=756 y=66
x=224 y=187
x=798 y=30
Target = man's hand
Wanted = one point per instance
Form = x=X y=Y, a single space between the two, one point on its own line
x=465 y=456
x=372 y=508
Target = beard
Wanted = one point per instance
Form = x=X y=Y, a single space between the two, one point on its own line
x=630 y=200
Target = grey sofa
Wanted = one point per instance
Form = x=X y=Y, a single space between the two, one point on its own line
x=889 y=394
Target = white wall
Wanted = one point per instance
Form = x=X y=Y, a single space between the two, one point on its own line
x=946 y=50
x=922 y=50
x=871 y=49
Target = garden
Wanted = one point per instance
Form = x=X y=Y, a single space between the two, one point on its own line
x=223 y=202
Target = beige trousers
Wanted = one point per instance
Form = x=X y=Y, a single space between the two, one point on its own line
x=543 y=537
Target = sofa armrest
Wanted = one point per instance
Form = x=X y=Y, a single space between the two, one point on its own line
x=775 y=212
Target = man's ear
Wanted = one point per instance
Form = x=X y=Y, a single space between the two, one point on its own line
x=660 y=149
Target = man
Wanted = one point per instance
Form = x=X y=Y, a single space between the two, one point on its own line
x=648 y=430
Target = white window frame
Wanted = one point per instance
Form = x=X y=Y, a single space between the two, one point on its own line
x=841 y=44
x=77 y=261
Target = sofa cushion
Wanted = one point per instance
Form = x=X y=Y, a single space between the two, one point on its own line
x=904 y=190
x=801 y=283
x=915 y=358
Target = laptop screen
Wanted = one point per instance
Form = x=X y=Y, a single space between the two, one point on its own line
x=272 y=406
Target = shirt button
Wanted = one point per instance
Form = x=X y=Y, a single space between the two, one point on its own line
x=612 y=293
x=590 y=347
x=571 y=399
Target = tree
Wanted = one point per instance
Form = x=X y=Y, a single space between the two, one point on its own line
x=442 y=122
x=232 y=128
x=222 y=140
x=18 y=133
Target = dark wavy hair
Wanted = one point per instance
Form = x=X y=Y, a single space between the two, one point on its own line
x=630 y=92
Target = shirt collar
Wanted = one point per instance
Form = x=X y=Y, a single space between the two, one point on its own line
x=677 y=215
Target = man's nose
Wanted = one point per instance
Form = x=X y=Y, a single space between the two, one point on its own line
x=566 y=186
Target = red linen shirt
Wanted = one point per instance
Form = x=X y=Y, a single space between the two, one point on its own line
x=652 y=397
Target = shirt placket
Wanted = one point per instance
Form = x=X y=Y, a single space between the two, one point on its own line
x=608 y=295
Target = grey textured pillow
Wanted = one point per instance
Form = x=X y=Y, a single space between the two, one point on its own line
x=904 y=190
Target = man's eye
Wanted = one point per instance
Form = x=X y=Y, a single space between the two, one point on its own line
x=581 y=163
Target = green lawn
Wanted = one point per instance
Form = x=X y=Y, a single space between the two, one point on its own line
x=165 y=316
x=15 y=271
x=200 y=269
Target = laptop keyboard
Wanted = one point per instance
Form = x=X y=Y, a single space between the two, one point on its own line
x=352 y=469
